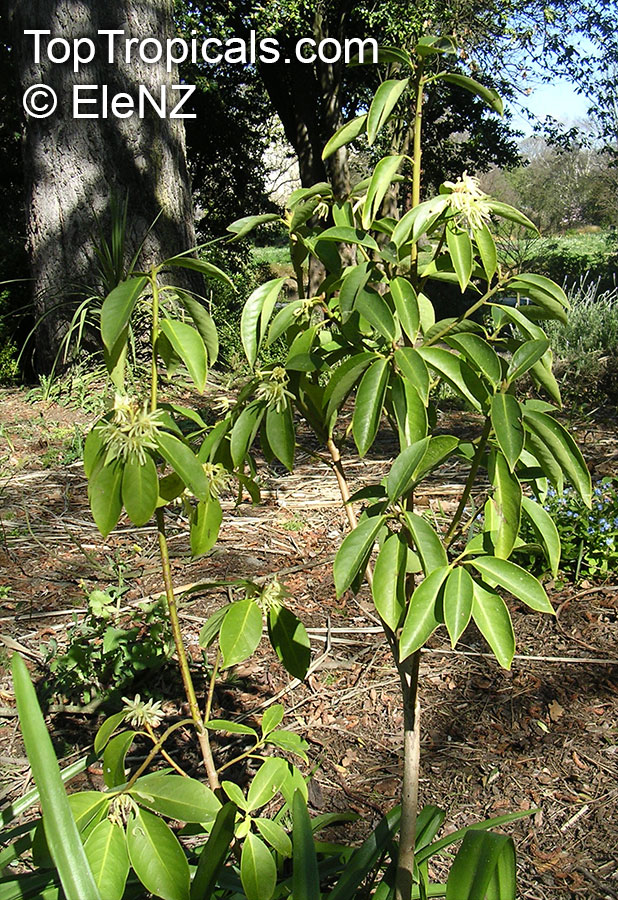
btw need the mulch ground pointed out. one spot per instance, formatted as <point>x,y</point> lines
<point>542,735</point>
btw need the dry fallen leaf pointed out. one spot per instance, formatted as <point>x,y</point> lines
<point>555,711</point>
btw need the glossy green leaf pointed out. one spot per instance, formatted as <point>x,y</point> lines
<point>380,182</point>
<point>545,530</point>
<point>409,409</point>
<point>525,357</point>
<point>563,448</point>
<point>258,871</point>
<point>210,630</point>
<point>256,316</point>
<point>493,620</point>
<point>389,580</point>
<point>60,829</point>
<point>487,250</point>
<point>272,718</point>
<point>203,322</point>
<point>343,380</point>
<point>240,632</point>
<point>439,449</point>
<point>107,729</point>
<point>184,462</point>
<point>545,459</point>
<point>114,758</point>
<point>231,727</point>
<point>244,431</point>
<point>505,504</point>
<point>280,434</point>
<point>401,475</point>
<point>107,854</point>
<point>488,95</point>
<point>460,249</point>
<point>242,227</point>
<point>429,546</point>
<point>479,354</point>
<point>457,601</point>
<point>369,403</point>
<point>275,835</point>
<point>266,782</point>
<point>373,307</point>
<point>117,308</point>
<point>176,797</point>
<point>418,221</point>
<point>343,234</point>
<point>353,282</point>
<point>457,373</point>
<point>105,496</point>
<point>422,617</point>
<point>352,556</point>
<point>283,320</point>
<point>140,489</point>
<point>305,874</point>
<point>214,853</point>
<point>364,859</point>
<point>94,447</point>
<point>156,856</point>
<point>189,346</point>
<point>513,215</point>
<point>483,868</point>
<point>506,420</point>
<point>551,307</point>
<point>205,525</point>
<point>345,135</point>
<point>517,581</point>
<point>235,794</point>
<point>208,270</point>
<point>290,641</point>
<point>414,369</point>
<point>406,306</point>
<point>382,105</point>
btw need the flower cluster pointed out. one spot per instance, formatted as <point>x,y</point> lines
<point>143,712</point>
<point>469,201</point>
<point>272,388</point>
<point>132,430</point>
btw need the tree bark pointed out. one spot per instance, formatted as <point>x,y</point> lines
<point>74,167</point>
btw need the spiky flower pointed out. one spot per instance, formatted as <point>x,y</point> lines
<point>132,430</point>
<point>469,201</point>
<point>219,479</point>
<point>143,712</point>
<point>272,390</point>
<point>272,596</point>
<point>120,809</point>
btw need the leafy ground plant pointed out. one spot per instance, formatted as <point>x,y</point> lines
<point>369,332</point>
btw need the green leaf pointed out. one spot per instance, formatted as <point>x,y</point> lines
<point>140,489</point>
<point>458,594</point>
<point>354,552</point>
<point>114,758</point>
<point>290,641</point>
<point>389,580</point>
<point>505,506</point>
<point>199,265</point>
<point>205,524</point>
<point>563,448</point>
<point>157,857</point>
<point>406,306</point>
<point>429,546</point>
<point>282,321</point>
<point>513,215</point>
<point>343,380</point>
<point>235,794</point>
<point>487,250</point>
<point>493,620</point>
<point>290,742</point>
<point>345,135</point>
<point>244,431</point>
<point>422,618</point>
<point>409,409</point>
<point>305,874</point>
<point>105,497</point>
<point>352,283</point>
<point>418,221</point>
<point>364,859</point>
<point>266,782</point>
<point>60,829</point>
<point>374,308</point>
<point>203,322</point>
<point>214,853</point>
<point>383,175</point>
<point>457,373</point>
<point>230,727</point>
<point>414,369</point>
<point>176,797</point>
<point>240,632</point>
<point>515,580</point>
<point>401,476</point>
<point>256,315</point>
<point>117,308</point>
<point>275,835</point>
<point>382,105</point>
<point>440,447</point>
<point>479,354</point>
<point>272,718</point>
<point>106,852</point>
<point>460,249</point>
<point>241,227</point>
<point>258,872</point>
<point>184,462</point>
<point>525,357</point>
<point>488,95</point>
<point>343,234</point>
<point>280,434</point>
<point>545,530</point>
<point>210,629</point>
<point>506,420</point>
<point>189,346</point>
<point>369,403</point>
<point>484,867</point>
<point>108,728</point>
<point>94,447</point>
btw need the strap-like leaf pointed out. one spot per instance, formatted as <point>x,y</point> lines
<point>353,554</point>
<point>256,315</point>
<point>564,449</point>
<point>383,175</point>
<point>345,135</point>
<point>484,867</point>
<point>458,593</point>
<point>382,105</point>
<point>513,578</point>
<point>305,875</point>
<point>493,620</point>
<point>117,308</point>
<point>369,403</point>
<point>488,95</point>
<point>506,419</point>
<point>422,617</point>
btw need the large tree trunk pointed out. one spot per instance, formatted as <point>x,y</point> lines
<point>74,167</point>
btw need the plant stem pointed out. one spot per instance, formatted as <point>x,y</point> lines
<point>408,674</point>
<point>202,733</point>
<point>157,747</point>
<point>164,752</point>
<point>211,686</point>
<point>448,538</point>
<point>344,490</point>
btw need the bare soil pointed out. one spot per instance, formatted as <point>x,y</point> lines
<point>542,735</point>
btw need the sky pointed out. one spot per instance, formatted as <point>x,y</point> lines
<point>558,100</point>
